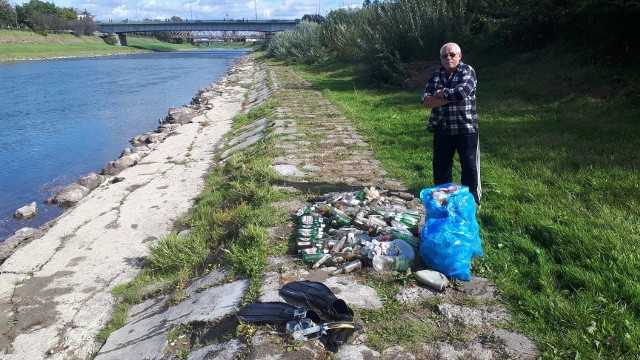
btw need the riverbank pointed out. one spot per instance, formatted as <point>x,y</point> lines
<point>548,203</point>
<point>55,290</point>
<point>23,45</point>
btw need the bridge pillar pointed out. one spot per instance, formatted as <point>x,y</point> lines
<point>122,39</point>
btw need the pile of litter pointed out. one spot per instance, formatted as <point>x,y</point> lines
<point>352,229</point>
<point>378,228</point>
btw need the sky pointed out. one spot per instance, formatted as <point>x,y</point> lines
<point>105,10</point>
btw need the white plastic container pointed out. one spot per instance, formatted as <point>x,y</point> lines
<point>432,279</point>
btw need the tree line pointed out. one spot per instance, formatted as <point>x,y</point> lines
<point>45,17</point>
<point>385,34</point>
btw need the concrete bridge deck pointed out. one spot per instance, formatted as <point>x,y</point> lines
<point>199,25</point>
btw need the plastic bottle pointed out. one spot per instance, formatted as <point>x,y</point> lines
<point>440,197</point>
<point>390,263</point>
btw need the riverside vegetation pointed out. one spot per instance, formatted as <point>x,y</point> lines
<point>561,208</point>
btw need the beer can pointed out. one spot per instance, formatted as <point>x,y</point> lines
<point>310,232</point>
<point>310,220</point>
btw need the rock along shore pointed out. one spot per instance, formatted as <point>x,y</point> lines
<point>55,286</point>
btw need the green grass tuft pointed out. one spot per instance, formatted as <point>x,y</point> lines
<point>175,253</point>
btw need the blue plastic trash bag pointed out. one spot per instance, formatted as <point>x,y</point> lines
<point>450,236</point>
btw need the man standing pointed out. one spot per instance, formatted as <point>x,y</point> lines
<point>451,95</point>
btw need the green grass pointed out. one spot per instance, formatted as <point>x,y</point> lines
<point>560,220</point>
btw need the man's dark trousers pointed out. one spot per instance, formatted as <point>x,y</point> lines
<point>444,148</point>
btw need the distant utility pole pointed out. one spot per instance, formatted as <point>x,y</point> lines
<point>15,7</point>
<point>255,5</point>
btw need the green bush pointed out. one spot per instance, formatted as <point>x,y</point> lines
<point>302,45</point>
<point>111,40</point>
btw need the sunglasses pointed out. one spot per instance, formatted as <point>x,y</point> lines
<point>452,54</point>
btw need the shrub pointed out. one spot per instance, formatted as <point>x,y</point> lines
<point>111,40</point>
<point>302,45</point>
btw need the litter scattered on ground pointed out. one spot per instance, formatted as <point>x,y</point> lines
<point>349,230</point>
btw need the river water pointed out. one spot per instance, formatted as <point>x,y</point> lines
<point>61,119</point>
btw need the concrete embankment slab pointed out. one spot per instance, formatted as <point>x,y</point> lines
<point>55,291</point>
<point>145,334</point>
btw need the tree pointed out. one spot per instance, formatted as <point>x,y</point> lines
<point>176,19</point>
<point>164,36</point>
<point>42,23</point>
<point>8,15</point>
<point>34,7</point>
<point>67,14</point>
<point>84,25</point>
<point>316,18</point>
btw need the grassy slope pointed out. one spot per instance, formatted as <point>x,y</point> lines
<point>561,191</point>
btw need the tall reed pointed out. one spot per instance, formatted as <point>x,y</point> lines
<point>384,36</point>
<point>301,45</point>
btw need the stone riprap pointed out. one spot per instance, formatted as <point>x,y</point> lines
<point>26,212</point>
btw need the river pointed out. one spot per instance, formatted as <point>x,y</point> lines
<point>61,119</point>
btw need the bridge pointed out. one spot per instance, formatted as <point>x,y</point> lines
<point>263,26</point>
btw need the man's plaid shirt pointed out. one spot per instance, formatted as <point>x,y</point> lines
<point>459,116</point>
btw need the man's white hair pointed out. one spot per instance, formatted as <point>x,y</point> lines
<point>455,46</point>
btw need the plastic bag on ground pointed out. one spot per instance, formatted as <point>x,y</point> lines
<point>393,255</point>
<point>450,236</point>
